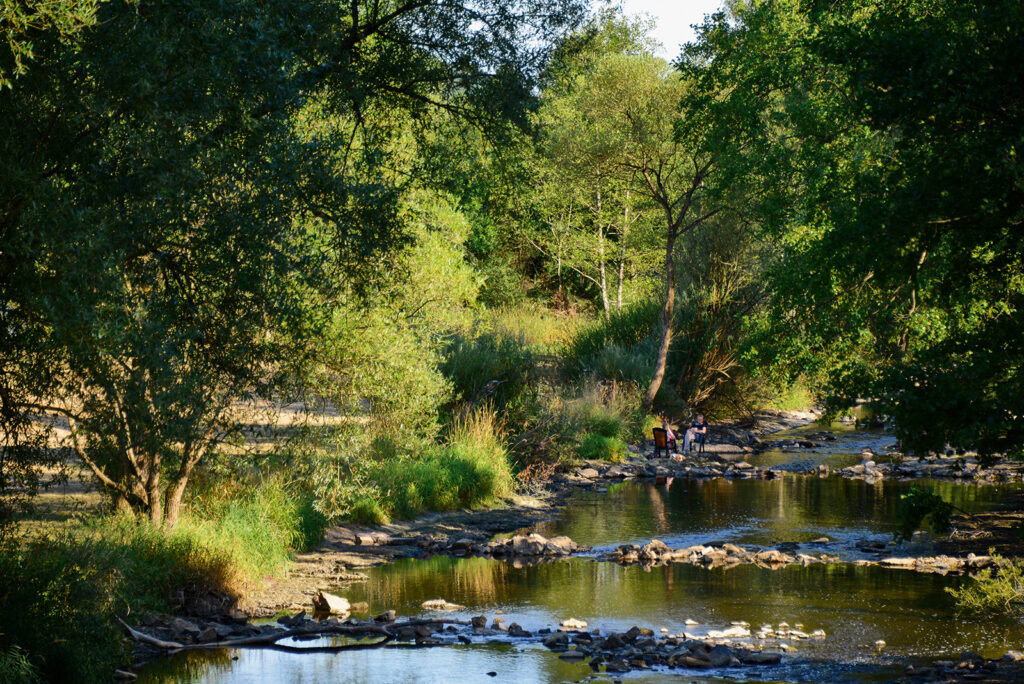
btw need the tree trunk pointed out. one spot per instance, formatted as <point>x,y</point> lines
<point>601,259</point>
<point>623,232</point>
<point>176,490</point>
<point>172,507</point>
<point>154,500</point>
<point>666,323</point>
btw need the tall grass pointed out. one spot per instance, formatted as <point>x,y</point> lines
<point>594,419</point>
<point>489,366</point>
<point>541,329</point>
<point>60,594</point>
<point>15,667</point>
<point>471,468</point>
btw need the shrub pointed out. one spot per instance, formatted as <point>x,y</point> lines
<point>58,608</point>
<point>595,446</point>
<point>492,366</point>
<point>994,590</point>
<point>470,468</point>
<point>60,594</point>
<point>625,329</point>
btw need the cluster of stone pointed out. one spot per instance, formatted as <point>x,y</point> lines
<point>727,555</point>
<point>657,552</point>
<point>521,546</point>
<point>639,648</point>
<point>972,667</point>
<point>964,468</point>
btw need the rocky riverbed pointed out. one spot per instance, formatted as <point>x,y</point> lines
<point>736,647</point>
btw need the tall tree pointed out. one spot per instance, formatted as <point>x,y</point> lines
<point>889,135</point>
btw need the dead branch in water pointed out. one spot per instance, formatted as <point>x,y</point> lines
<point>389,632</point>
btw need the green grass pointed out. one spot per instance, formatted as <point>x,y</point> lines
<point>595,446</point>
<point>60,593</point>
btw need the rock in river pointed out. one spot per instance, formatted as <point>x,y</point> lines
<point>329,603</point>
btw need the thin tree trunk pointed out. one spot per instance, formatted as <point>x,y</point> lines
<point>623,232</point>
<point>601,260</point>
<point>153,498</point>
<point>172,508</point>
<point>666,323</point>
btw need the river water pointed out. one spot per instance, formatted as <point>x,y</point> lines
<point>855,605</point>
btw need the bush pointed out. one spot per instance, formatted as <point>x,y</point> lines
<point>596,446</point>
<point>994,590</point>
<point>470,468</point>
<point>58,608</point>
<point>60,594</point>
<point>255,527</point>
<point>627,329</point>
<point>492,366</point>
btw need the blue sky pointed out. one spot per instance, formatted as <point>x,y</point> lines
<point>672,19</point>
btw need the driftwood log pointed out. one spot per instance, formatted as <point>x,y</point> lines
<point>388,632</point>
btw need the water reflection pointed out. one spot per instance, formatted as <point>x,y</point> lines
<point>854,605</point>
<point>792,508</point>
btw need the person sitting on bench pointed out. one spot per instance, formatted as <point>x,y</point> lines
<point>697,432</point>
<point>670,436</point>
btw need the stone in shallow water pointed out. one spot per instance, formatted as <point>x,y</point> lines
<point>572,625</point>
<point>736,631</point>
<point>329,603</point>
<point>761,658</point>
<point>440,604</point>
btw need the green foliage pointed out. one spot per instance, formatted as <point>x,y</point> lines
<point>993,590</point>
<point>888,153</point>
<point>60,594</point>
<point>20,21</point>
<point>58,610</point>
<point>400,478</point>
<point>598,446</point>
<point>382,353</point>
<point>222,174</point>
<point>16,668</point>
<point>627,329</point>
<point>490,366</point>
<point>920,504</point>
<point>592,420</point>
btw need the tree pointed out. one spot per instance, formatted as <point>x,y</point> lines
<point>184,189</point>
<point>23,21</point>
<point>887,137</point>
<point>667,158</point>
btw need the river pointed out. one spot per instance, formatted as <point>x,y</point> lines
<point>855,605</point>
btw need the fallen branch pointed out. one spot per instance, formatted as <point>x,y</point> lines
<point>147,639</point>
<point>269,640</point>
